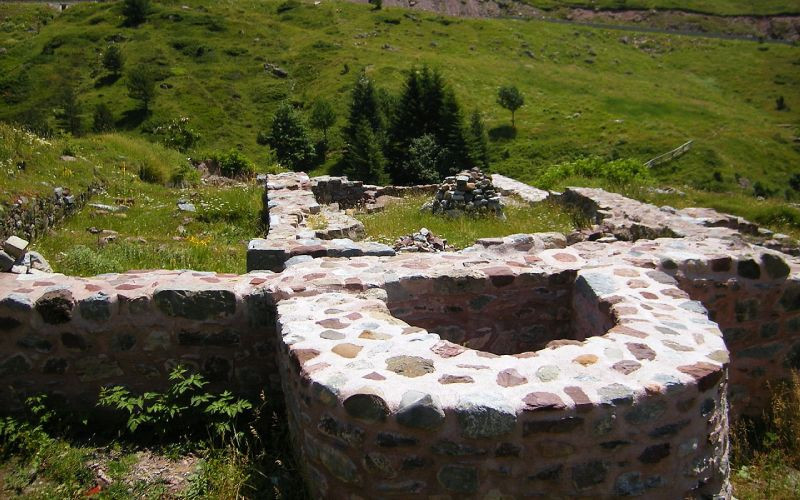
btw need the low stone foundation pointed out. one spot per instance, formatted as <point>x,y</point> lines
<point>521,366</point>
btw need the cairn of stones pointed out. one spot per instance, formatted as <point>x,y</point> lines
<point>421,241</point>
<point>469,192</point>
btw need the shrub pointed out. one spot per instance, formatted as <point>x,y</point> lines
<point>233,164</point>
<point>510,98</point>
<point>622,171</point>
<point>185,176</point>
<point>176,134</point>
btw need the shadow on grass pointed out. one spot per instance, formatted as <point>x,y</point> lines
<point>132,118</point>
<point>502,133</point>
<point>106,80</point>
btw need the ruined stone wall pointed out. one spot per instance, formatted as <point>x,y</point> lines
<point>30,218</point>
<point>69,336</point>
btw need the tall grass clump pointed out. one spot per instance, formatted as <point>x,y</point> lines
<point>765,452</point>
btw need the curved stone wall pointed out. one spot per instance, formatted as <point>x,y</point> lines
<point>382,407</point>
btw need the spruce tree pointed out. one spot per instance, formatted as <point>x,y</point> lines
<point>364,158</point>
<point>112,60</point>
<point>365,124</point>
<point>70,115</point>
<point>289,138</point>
<point>477,141</point>
<point>103,119</point>
<point>408,122</point>
<point>451,137</point>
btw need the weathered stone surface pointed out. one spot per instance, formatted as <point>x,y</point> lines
<point>485,416</point>
<point>654,454</point>
<point>367,407</point>
<point>14,365</point>
<point>775,266</point>
<point>420,410</point>
<point>197,304</point>
<point>96,308</point>
<point>15,246</point>
<point>510,377</point>
<point>543,401</point>
<point>588,474</point>
<point>338,463</point>
<point>97,368</point>
<point>410,366</point>
<point>55,307</point>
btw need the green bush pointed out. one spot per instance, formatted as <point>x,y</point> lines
<point>152,172</point>
<point>233,164</point>
<point>185,176</point>
<point>622,171</point>
<point>176,134</point>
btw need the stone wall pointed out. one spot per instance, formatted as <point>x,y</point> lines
<point>29,218</point>
<point>520,366</point>
<point>72,335</point>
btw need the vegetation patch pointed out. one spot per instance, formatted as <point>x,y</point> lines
<point>405,217</point>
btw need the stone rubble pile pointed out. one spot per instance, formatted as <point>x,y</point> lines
<point>471,191</point>
<point>421,241</point>
<point>14,258</point>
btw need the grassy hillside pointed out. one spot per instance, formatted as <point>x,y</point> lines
<point>587,91</point>
<point>719,7</point>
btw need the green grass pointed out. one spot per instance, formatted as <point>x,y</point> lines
<point>586,92</point>
<point>719,7</point>
<point>215,237</point>
<point>404,217</point>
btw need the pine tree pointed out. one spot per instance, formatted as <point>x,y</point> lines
<point>70,115</point>
<point>433,95</point>
<point>112,60</point>
<point>142,86</point>
<point>289,138</point>
<point>364,105</point>
<point>477,141</point>
<point>364,158</point>
<point>451,137</point>
<point>135,11</point>
<point>103,119</point>
<point>408,122</point>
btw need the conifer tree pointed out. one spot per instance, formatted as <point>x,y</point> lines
<point>477,141</point>
<point>451,137</point>
<point>103,119</point>
<point>70,115</point>
<point>363,105</point>
<point>289,138</point>
<point>364,158</point>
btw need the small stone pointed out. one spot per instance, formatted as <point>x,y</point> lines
<point>484,415</point>
<point>646,412</point>
<point>588,474</point>
<point>775,266</point>
<point>641,351</point>
<point>337,463</point>
<point>332,335</point>
<point>626,367</point>
<point>14,365</point>
<point>410,366</point>
<point>420,411</point>
<point>197,304</point>
<point>549,448</point>
<point>456,379</point>
<point>586,359</point>
<point>558,426</point>
<point>347,350</point>
<point>510,378</point>
<point>654,454</point>
<point>447,349</point>
<point>6,262</point>
<point>96,307</point>
<point>629,484</point>
<point>15,246</point>
<point>55,307</point>
<point>366,406</point>
<point>548,373</point>
<point>458,478</point>
<point>453,449</point>
<point>616,394</point>
<point>748,269</point>
<point>543,401</point>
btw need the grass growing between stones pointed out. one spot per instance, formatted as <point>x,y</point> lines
<point>405,217</point>
<point>765,453</point>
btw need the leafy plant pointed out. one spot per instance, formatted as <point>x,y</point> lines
<point>176,134</point>
<point>142,86</point>
<point>103,119</point>
<point>622,171</point>
<point>510,98</point>
<point>289,138</point>
<point>182,408</point>
<point>112,60</point>
<point>232,164</point>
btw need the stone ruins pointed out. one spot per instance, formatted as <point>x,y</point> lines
<point>469,192</point>
<point>599,364</point>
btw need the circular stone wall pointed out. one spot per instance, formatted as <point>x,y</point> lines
<point>632,402</point>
